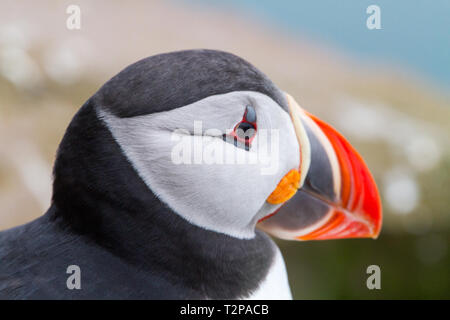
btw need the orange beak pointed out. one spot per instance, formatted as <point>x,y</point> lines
<point>337,196</point>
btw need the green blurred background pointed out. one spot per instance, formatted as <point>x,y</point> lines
<point>387,90</point>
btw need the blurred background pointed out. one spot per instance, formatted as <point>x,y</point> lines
<point>387,90</point>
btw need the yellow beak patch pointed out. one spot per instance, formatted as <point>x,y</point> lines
<point>286,188</point>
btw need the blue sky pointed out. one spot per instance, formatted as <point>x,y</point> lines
<point>415,34</point>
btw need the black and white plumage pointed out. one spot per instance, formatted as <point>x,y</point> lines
<point>140,226</point>
<point>104,218</point>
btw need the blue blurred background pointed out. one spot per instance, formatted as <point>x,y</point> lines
<point>414,34</point>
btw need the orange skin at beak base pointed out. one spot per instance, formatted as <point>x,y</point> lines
<point>286,188</point>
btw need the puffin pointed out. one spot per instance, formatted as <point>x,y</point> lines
<point>172,179</point>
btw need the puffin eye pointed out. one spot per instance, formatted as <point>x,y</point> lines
<point>244,131</point>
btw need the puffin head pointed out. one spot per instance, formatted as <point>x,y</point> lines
<point>214,140</point>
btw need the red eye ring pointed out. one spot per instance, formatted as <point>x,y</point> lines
<point>245,130</point>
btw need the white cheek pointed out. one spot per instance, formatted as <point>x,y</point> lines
<point>227,197</point>
<point>217,196</point>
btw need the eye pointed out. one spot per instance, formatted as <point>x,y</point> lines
<point>244,132</point>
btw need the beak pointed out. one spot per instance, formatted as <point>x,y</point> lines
<point>337,196</point>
